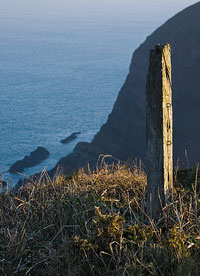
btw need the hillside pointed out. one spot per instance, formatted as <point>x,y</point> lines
<point>96,224</point>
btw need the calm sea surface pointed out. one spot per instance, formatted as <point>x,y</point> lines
<point>57,77</point>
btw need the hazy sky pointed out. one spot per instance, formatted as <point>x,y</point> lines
<point>100,8</point>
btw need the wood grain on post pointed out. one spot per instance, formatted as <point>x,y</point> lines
<point>159,130</point>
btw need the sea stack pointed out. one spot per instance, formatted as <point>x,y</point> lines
<point>35,157</point>
<point>70,138</point>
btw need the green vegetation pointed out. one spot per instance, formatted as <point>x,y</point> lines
<point>95,223</point>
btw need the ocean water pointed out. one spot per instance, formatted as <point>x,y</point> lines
<point>57,77</point>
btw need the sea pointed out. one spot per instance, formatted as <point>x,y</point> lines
<point>59,76</point>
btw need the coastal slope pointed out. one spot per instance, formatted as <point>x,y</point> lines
<point>123,135</point>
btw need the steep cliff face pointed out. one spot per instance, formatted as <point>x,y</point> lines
<point>123,135</point>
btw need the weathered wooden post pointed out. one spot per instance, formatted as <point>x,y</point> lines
<point>159,130</point>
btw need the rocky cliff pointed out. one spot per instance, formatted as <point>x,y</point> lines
<point>123,135</point>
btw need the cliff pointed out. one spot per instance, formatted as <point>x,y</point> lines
<point>123,135</point>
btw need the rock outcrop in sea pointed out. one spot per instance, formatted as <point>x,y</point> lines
<point>36,157</point>
<point>123,135</point>
<point>70,138</point>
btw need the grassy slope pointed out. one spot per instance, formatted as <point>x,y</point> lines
<point>96,224</point>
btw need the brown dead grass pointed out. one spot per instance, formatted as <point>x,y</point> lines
<point>95,223</point>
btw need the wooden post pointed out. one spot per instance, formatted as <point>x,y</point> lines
<point>159,130</point>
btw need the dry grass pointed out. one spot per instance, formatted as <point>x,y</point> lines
<point>95,223</point>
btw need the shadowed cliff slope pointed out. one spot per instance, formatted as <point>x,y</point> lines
<point>123,135</point>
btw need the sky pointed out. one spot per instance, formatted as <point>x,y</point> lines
<point>92,8</point>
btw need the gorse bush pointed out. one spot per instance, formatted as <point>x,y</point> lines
<point>95,223</point>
